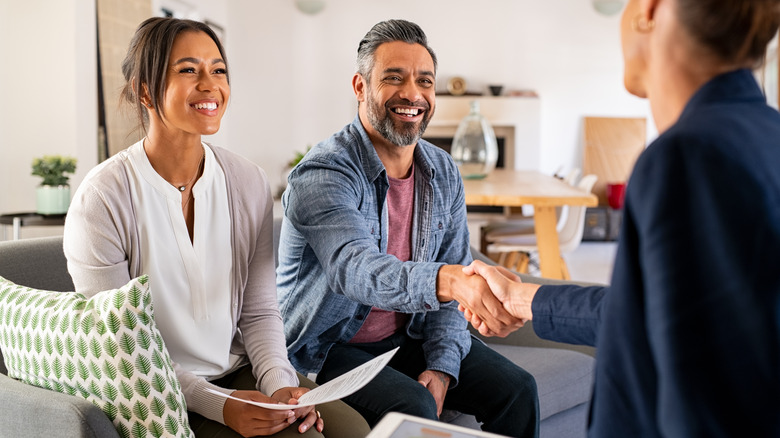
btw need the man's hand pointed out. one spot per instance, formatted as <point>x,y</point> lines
<point>473,293</point>
<point>437,384</point>
<point>290,396</point>
<point>507,287</point>
<point>250,420</point>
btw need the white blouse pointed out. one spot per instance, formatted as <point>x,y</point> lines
<point>190,281</point>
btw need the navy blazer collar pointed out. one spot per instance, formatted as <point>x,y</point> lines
<point>735,86</point>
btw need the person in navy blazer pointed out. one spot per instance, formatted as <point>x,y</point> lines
<point>688,332</point>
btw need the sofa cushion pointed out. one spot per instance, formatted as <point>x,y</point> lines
<point>106,349</point>
<point>564,378</point>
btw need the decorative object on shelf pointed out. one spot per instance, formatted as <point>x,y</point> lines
<point>310,7</point>
<point>608,7</point>
<point>474,147</point>
<point>456,86</point>
<point>495,90</point>
<point>53,195</point>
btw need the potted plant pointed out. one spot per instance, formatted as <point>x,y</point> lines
<point>289,167</point>
<point>53,195</point>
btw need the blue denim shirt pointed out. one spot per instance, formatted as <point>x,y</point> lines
<point>333,261</point>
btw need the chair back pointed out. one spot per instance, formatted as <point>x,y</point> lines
<point>563,212</point>
<point>570,235</point>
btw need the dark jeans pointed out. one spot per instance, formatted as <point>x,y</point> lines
<point>501,395</point>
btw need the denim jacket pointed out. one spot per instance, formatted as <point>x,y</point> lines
<point>333,261</point>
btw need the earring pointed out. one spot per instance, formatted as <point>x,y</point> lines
<point>642,24</point>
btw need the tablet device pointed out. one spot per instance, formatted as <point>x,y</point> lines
<point>397,425</point>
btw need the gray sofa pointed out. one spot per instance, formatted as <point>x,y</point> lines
<point>563,373</point>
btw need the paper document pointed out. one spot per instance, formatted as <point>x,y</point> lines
<point>338,388</point>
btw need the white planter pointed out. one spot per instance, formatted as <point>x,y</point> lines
<point>52,199</point>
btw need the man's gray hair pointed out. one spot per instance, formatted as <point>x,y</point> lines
<point>386,32</point>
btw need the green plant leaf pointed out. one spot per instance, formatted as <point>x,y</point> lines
<point>171,401</point>
<point>142,387</point>
<point>38,343</point>
<point>87,322</point>
<point>110,409</point>
<point>125,411</point>
<point>143,364</point>
<point>56,367</point>
<point>138,430</point>
<point>143,338</point>
<point>127,343</point>
<point>110,391</point>
<point>94,367</point>
<point>157,406</point>
<point>126,368</point>
<point>113,323</point>
<point>100,327</point>
<point>81,347</point>
<point>124,432</point>
<point>134,297</point>
<point>141,411</point>
<point>83,370</point>
<point>129,319</point>
<point>94,346</point>
<point>54,169</point>
<point>171,425</point>
<point>94,388</point>
<point>157,359</point>
<point>159,383</point>
<point>126,390</point>
<point>70,369</point>
<point>156,429</point>
<point>59,346</point>
<point>119,299</point>
<point>110,370</point>
<point>111,347</point>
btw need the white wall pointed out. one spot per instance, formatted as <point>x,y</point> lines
<point>291,73</point>
<point>49,92</point>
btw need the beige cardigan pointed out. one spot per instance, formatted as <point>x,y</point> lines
<point>103,250</point>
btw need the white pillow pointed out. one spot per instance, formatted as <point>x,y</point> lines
<point>106,349</point>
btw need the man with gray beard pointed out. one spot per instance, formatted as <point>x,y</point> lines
<point>372,247</point>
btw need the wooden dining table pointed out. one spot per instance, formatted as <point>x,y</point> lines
<point>516,188</point>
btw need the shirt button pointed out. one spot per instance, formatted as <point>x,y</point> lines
<point>427,306</point>
<point>360,317</point>
<point>321,356</point>
<point>440,226</point>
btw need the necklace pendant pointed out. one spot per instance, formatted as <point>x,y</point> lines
<point>182,188</point>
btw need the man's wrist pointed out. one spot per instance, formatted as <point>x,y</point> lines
<point>444,280</point>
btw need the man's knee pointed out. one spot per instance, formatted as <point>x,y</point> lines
<point>416,400</point>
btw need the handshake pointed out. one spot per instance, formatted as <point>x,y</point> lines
<point>492,298</point>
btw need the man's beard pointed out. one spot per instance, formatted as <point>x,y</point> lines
<point>404,135</point>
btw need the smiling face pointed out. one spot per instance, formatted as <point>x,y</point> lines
<point>399,99</point>
<point>196,87</point>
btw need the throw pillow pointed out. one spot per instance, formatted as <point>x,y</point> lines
<point>106,349</point>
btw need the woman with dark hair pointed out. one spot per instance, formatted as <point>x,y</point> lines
<point>180,210</point>
<point>688,332</point>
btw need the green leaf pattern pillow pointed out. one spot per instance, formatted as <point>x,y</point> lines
<point>105,349</point>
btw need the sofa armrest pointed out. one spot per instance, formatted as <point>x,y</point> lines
<point>32,411</point>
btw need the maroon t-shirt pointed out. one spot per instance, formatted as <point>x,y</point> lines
<point>380,323</point>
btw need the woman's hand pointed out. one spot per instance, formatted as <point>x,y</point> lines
<point>250,420</point>
<point>508,288</point>
<point>310,415</point>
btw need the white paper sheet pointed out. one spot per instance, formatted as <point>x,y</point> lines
<point>338,388</point>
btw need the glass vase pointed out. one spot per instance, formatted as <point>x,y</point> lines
<point>474,147</point>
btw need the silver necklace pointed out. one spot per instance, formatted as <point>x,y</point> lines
<point>197,171</point>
